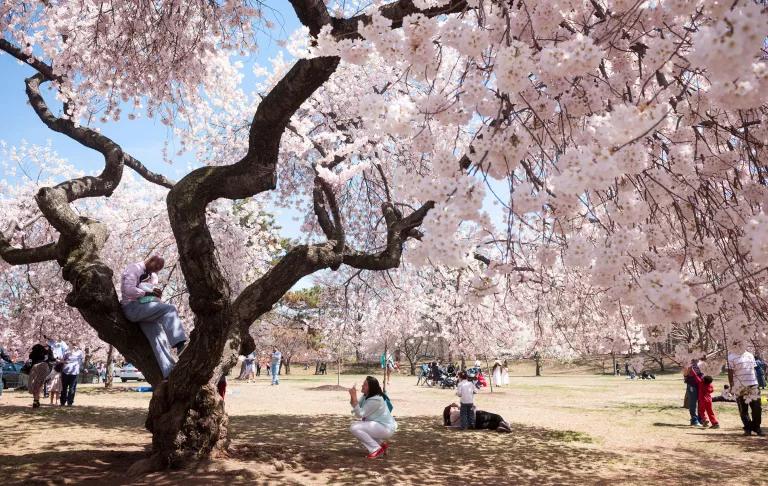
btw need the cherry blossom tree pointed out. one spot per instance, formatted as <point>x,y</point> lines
<point>622,141</point>
<point>80,51</point>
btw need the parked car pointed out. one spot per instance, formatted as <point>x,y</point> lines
<point>130,372</point>
<point>12,377</point>
<point>89,375</point>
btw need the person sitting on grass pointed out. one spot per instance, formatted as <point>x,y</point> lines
<point>483,420</point>
<point>725,395</point>
<point>376,422</point>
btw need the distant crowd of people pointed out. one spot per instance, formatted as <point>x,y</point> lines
<point>631,373</point>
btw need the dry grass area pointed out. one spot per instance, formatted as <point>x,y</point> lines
<point>568,429</point>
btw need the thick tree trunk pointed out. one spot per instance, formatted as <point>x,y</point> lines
<point>287,366</point>
<point>183,431</point>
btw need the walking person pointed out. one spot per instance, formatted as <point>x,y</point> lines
<point>496,373</point>
<point>250,367</point>
<point>159,321</point>
<point>466,392</point>
<point>38,358</point>
<point>3,357</point>
<point>258,367</point>
<point>741,376</point>
<point>51,361</point>
<point>71,364</point>
<point>388,364</point>
<point>277,356</point>
<point>376,422</point>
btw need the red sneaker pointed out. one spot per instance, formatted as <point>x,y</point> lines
<point>378,452</point>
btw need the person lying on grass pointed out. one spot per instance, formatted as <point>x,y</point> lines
<point>483,420</point>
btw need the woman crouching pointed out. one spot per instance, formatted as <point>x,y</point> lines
<point>376,421</point>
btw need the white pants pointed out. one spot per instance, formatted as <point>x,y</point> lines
<point>371,434</point>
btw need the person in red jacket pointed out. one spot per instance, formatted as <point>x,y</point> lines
<point>221,386</point>
<point>705,401</point>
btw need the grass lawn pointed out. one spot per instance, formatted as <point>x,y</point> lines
<point>567,429</point>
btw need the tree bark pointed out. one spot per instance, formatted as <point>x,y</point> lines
<point>183,431</point>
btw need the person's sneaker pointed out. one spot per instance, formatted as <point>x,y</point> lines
<point>759,432</point>
<point>705,423</point>
<point>378,452</point>
<point>747,432</point>
<point>715,426</point>
<point>696,424</point>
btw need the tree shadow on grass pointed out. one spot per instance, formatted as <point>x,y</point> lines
<point>737,439</point>
<point>674,426</point>
<point>422,452</point>
<point>81,416</point>
<point>291,449</point>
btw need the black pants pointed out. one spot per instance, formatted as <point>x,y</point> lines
<point>487,420</point>
<point>750,425</point>
<point>258,370</point>
<point>68,388</point>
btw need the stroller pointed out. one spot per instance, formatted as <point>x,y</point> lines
<point>448,378</point>
<point>476,374</point>
<point>440,377</point>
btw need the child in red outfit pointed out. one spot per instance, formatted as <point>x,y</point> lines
<point>705,401</point>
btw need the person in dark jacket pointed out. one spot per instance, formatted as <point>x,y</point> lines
<point>483,420</point>
<point>3,357</point>
<point>39,357</point>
